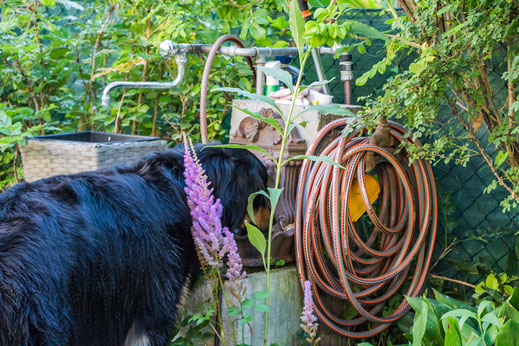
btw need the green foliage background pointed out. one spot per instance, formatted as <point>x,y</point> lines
<point>57,55</point>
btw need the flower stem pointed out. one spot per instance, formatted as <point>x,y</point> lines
<point>218,307</point>
<point>226,305</point>
<point>279,165</point>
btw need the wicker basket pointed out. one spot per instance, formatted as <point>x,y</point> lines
<point>45,156</point>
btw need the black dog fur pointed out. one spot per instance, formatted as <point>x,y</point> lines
<point>84,258</point>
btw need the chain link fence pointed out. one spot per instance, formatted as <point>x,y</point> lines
<point>481,236</point>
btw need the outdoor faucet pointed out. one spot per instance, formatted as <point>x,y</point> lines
<point>166,49</point>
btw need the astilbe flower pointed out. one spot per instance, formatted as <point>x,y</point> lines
<point>212,241</point>
<point>308,317</point>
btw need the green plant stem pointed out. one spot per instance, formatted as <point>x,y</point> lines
<point>226,305</point>
<point>218,308</point>
<point>279,165</point>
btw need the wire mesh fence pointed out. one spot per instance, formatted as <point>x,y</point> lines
<point>482,236</point>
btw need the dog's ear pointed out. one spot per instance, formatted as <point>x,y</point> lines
<point>234,175</point>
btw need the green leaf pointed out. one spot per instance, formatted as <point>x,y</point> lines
<point>271,121</point>
<point>332,109</point>
<point>274,197</point>
<point>452,334</point>
<point>262,295</point>
<point>362,29</point>
<point>297,27</point>
<point>257,32</point>
<point>280,75</point>
<point>323,82</point>
<point>256,238</point>
<point>322,158</point>
<point>490,318</point>
<point>247,303</point>
<point>245,320</point>
<point>482,306</point>
<point>501,157</point>
<point>417,67</point>
<point>491,282</point>
<point>71,5</point>
<point>261,307</point>
<point>462,313</point>
<point>252,96</point>
<point>445,9</point>
<point>514,299</point>
<point>362,79</point>
<point>420,322</point>
<point>451,302</point>
<point>509,334</point>
<point>48,3</point>
<point>280,263</point>
<point>250,203</point>
<point>233,311</point>
<point>241,146</point>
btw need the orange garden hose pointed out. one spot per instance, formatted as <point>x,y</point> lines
<point>363,270</point>
<point>205,79</point>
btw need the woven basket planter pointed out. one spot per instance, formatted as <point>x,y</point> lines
<point>45,156</point>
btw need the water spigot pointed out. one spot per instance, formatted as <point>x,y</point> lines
<point>166,49</point>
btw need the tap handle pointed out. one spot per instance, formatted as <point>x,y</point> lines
<point>169,49</point>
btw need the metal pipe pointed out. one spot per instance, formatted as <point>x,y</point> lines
<point>181,60</point>
<point>346,64</point>
<point>316,56</point>
<point>168,49</point>
<point>260,75</point>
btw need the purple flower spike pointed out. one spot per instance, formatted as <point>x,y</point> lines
<point>308,317</point>
<point>213,241</point>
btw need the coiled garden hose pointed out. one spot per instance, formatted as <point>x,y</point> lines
<point>205,79</point>
<point>363,270</point>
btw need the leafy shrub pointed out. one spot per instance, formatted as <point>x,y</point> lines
<point>453,86</point>
<point>447,321</point>
<point>57,55</point>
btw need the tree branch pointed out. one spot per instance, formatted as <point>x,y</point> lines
<point>482,151</point>
<point>452,280</point>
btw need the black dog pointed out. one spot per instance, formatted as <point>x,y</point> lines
<point>101,258</point>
